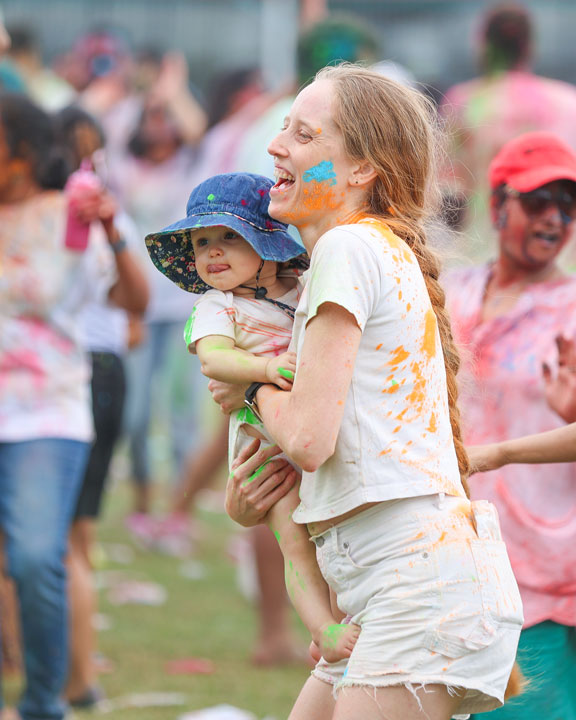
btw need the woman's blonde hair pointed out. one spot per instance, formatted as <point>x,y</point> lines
<point>394,128</point>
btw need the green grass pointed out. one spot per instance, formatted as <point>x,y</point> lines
<point>206,618</point>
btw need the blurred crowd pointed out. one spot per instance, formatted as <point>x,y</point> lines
<point>91,348</point>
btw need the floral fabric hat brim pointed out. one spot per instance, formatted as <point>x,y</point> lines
<point>172,252</point>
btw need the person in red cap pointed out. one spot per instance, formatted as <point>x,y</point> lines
<point>508,314</point>
<point>484,113</point>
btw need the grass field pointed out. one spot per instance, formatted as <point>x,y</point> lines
<point>207,618</point>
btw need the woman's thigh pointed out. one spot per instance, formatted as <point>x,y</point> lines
<point>396,703</point>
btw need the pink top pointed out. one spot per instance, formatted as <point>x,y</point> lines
<point>502,396</point>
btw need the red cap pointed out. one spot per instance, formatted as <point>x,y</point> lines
<point>532,160</point>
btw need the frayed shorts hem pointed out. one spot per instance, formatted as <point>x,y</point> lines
<point>479,697</point>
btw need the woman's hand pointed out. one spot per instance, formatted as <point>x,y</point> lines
<point>485,457</point>
<point>257,481</point>
<point>229,396</point>
<point>560,388</point>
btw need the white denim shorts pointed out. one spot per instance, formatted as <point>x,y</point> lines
<point>429,581</point>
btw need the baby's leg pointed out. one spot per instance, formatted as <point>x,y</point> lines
<point>306,587</point>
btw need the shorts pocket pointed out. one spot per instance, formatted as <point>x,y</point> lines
<point>498,587</point>
<point>468,619</point>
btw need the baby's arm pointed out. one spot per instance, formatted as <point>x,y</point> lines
<point>221,360</point>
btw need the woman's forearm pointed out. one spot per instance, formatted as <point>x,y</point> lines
<point>554,446</point>
<point>306,421</point>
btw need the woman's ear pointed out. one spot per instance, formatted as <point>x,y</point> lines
<point>362,174</point>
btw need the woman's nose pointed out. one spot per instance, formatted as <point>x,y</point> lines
<point>275,148</point>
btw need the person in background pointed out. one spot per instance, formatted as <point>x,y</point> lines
<point>484,113</point>
<point>507,314</point>
<point>45,418</point>
<point>151,177</point>
<point>43,85</point>
<point>557,445</point>
<point>105,334</point>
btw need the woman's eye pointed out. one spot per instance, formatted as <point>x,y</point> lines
<point>304,136</point>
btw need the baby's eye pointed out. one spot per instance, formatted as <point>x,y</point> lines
<point>201,242</point>
<point>231,235</point>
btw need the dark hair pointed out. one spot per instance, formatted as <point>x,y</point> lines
<point>30,135</point>
<point>23,39</point>
<point>336,39</point>
<point>66,122</point>
<point>224,87</point>
<point>507,37</point>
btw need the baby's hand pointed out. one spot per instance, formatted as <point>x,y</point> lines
<point>280,370</point>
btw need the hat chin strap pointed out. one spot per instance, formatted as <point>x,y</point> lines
<point>259,292</point>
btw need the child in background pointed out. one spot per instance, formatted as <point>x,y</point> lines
<point>232,251</point>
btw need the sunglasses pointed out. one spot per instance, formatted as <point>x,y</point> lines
<point>536,201</point>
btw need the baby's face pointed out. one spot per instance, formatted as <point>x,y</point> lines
<point>224,260</point>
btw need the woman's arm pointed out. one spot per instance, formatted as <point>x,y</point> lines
<point>222,360</point>
<point>305,422</point>
<point>553,446</point>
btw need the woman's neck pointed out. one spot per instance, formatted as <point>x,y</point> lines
<point>506,274</point>
<point>310,234</point>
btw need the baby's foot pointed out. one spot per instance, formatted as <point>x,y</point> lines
<point>337,641</point>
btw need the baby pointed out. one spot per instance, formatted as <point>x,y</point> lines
<point>246,266</point>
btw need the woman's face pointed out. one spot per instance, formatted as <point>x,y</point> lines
<point>533,240</point>
<point>313,171</point>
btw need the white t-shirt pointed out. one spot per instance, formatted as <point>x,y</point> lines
<point>256,326</point>
<point>104,327</point>
<point>395,440</point>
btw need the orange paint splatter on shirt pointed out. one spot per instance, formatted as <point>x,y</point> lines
<point>399,354</point>
<point>378,346</point>
<point>432,426</point>
<point>429,340</point>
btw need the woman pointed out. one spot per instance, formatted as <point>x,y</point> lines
<point>372,418</point>
<point>45,417</point>
<point>508,314</point>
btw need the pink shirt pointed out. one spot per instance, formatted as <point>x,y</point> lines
<point>502,396</point>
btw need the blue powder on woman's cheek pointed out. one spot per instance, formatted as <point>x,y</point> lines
<point>323,172</point>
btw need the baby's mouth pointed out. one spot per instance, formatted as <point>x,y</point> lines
<point>213,269</point>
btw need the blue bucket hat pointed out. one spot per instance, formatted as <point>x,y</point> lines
<point>238,201</point>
